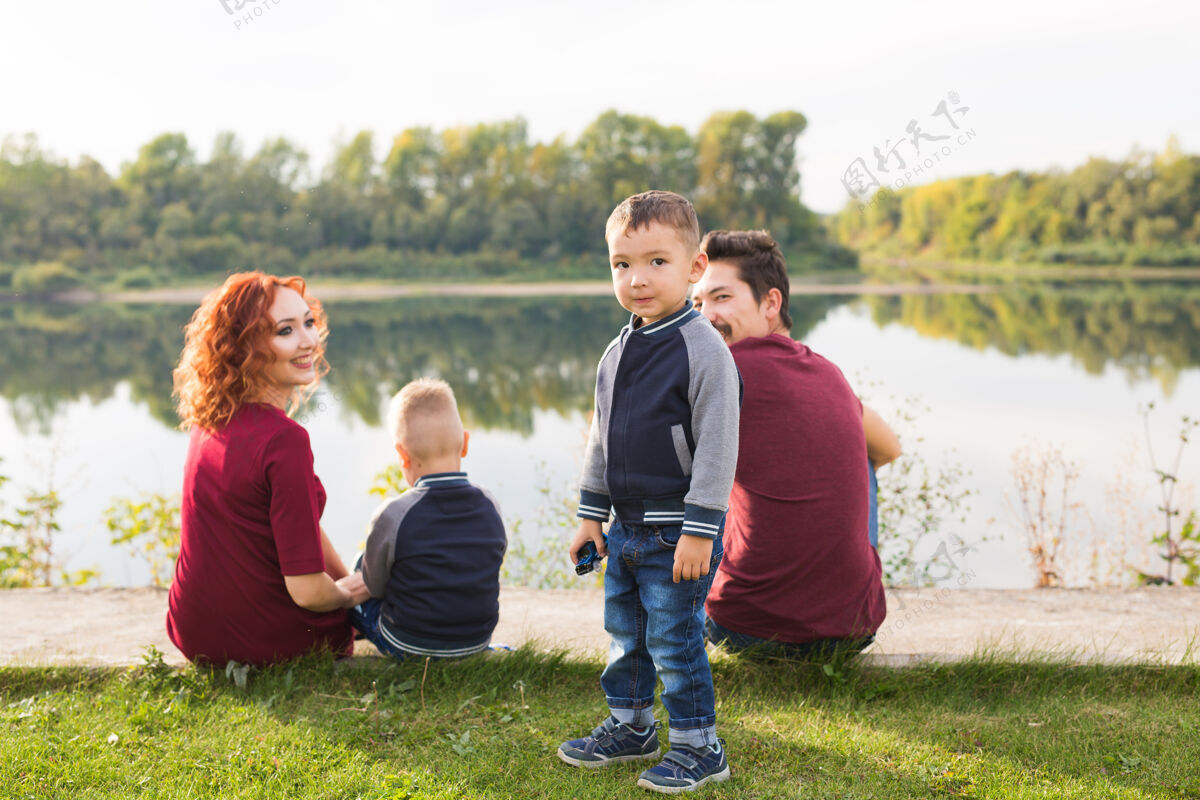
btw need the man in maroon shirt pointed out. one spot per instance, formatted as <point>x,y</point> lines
<point>799,575</point>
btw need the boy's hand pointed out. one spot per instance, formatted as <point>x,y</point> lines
<point>353,584</point>
<point>692,557</point>
<point>588,529</point>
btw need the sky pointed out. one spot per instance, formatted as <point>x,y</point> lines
<point>1039,84</point>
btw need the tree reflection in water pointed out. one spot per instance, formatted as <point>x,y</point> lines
<point>509,357</point>
<point>1147,331</point>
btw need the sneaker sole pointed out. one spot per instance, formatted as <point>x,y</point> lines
<point>716,777</point>
<point>576,762</point>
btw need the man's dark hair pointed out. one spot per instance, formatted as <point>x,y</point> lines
<point>666,208</point>
<point>759,261</point>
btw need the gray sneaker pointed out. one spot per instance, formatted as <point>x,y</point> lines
<point>611,743</point>
<point>685,768</point>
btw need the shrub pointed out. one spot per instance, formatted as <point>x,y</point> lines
<point>46,277</point>
<point>142,277</point>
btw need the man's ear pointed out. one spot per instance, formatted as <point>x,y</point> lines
<point>699,264</point>
<point>772,302</point>
<point>405,458</point>
<point>466,441</point>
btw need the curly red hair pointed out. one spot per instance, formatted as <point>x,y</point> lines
<point>226,349</point>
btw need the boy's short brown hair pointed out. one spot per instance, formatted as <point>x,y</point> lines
<point>423,418</point>
<point>759,261</point>
<point>666,208</point>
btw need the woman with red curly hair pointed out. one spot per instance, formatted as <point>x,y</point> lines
<point>257,580</point>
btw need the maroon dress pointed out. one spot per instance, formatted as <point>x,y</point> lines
<point>250,515</point>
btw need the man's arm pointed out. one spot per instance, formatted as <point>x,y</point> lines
<point>883,447</point>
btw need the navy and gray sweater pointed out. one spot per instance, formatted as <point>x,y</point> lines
<point>664,439</point>
<point>433,555</point>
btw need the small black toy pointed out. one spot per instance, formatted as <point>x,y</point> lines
<point>588,556</point>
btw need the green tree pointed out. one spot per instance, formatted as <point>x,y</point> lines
<point>748,176</point>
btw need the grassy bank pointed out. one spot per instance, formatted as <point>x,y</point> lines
<point>488,727</point>
<point>371,265</point>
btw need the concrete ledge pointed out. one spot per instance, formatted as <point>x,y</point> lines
<point>109,627</point>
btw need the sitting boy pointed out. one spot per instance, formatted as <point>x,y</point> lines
<point>661,453</point>
<point>432,561</point>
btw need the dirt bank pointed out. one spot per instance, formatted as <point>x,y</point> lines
<point>367,290</point>
<point>112,626</point>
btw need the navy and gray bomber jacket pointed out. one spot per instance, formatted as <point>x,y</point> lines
<point>433,556</point>
<point>663,445</point>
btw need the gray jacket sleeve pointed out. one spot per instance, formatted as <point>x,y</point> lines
<point>714,391</point>
<point>593,460</point>
<point>594,500</point>
<point>380,552</point>
<point>496,505</point>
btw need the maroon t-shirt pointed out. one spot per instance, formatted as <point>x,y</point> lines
<point>250,515</point>
<point>798,565</point>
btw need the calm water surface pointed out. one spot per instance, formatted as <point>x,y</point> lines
<point>85,402</point>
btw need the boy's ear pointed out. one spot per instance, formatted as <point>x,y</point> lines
<point>699,265</point>
<point>466,441</point>
<point>405,458</point>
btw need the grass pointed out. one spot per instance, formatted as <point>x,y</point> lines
<point>487,728</point>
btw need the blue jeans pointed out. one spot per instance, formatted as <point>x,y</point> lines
<point>657,629</point>
<point>873,512</point>
<point>755,646</point>
<point>366,619</point>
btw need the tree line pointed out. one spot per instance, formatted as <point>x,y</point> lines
<point>479,200</point>
<point>1144,209</point>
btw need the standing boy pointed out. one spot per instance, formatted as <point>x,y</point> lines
<point>432,562</point>
<point>661,454</point>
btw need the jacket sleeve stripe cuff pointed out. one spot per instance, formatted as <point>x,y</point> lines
<point>699,521</point>
<point>593,505</point>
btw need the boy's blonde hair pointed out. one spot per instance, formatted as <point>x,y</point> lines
<point>423,418</point>
<point>666,208</point>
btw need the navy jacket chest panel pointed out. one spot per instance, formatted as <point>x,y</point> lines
<point>649,397</point>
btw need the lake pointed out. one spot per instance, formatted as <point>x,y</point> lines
<point>970,378</point>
